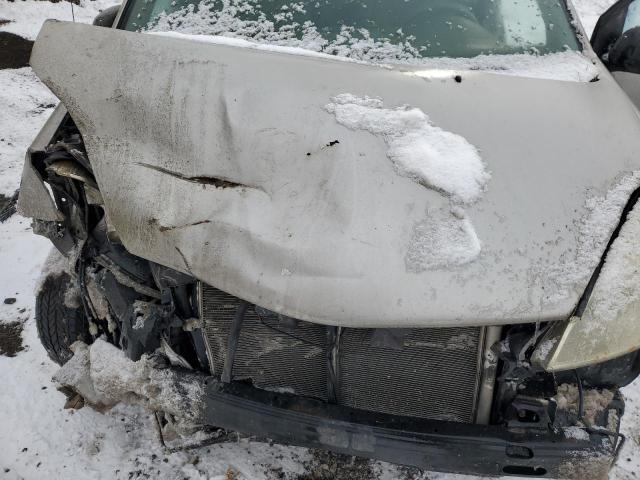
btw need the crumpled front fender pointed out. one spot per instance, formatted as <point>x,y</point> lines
<point>35,200</point>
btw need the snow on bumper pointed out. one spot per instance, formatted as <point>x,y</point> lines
<point>104,377</point>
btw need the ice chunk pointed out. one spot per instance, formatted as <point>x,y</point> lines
<point>576,433</point>
<point>104,377</point>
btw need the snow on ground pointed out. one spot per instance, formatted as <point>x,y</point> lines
<point>39,439</point>
<point>590,10</point>
<point>26,103</point>
<point>26,16</point>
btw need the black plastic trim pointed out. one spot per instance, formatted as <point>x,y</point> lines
<point>429,444</point>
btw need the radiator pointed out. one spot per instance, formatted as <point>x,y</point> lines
<point>426,373</point>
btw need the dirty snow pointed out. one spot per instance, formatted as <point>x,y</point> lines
<point>54,265</point>
<point>594,401</point>
<point>104,376</point>
<point>39,439</point>
<point>577,433</point>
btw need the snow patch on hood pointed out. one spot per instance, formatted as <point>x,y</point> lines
<point>619,280</point>
<point>568,66</point>
<point>441,240</point>
<point>594,232</point>
<point>433,157</point>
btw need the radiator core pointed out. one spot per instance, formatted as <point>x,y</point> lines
<point>426,373</point>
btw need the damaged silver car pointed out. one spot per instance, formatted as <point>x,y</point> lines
<point>398,230</point>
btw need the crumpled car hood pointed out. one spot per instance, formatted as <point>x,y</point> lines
<point>261,174</point>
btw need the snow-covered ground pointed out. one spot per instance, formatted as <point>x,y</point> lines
<point>40,439</point>
<point>590,10</point>
<point>26,16</point>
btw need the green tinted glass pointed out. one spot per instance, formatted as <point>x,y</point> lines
<point>377,30</point>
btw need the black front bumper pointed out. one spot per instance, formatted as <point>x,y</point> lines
<point>429,444</point>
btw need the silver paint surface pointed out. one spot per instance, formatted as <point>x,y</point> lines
<point>322,233</point>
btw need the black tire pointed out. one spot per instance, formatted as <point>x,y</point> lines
<point>59,325</point>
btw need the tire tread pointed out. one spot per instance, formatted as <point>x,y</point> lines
<point>59,325</point>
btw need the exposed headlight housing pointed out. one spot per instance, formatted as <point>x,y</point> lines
<point>609,326</point>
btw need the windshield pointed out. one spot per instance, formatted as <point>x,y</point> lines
<point>372,30</point>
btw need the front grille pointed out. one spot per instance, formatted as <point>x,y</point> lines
<point>426,373</point>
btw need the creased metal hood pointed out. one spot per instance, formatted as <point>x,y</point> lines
<point>223,162</point>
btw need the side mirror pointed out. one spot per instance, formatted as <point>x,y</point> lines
<point>107,17</point>
<point>624,55</point>
<point>616,38</point>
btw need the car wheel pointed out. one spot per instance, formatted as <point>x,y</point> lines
<point>60,317</point>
